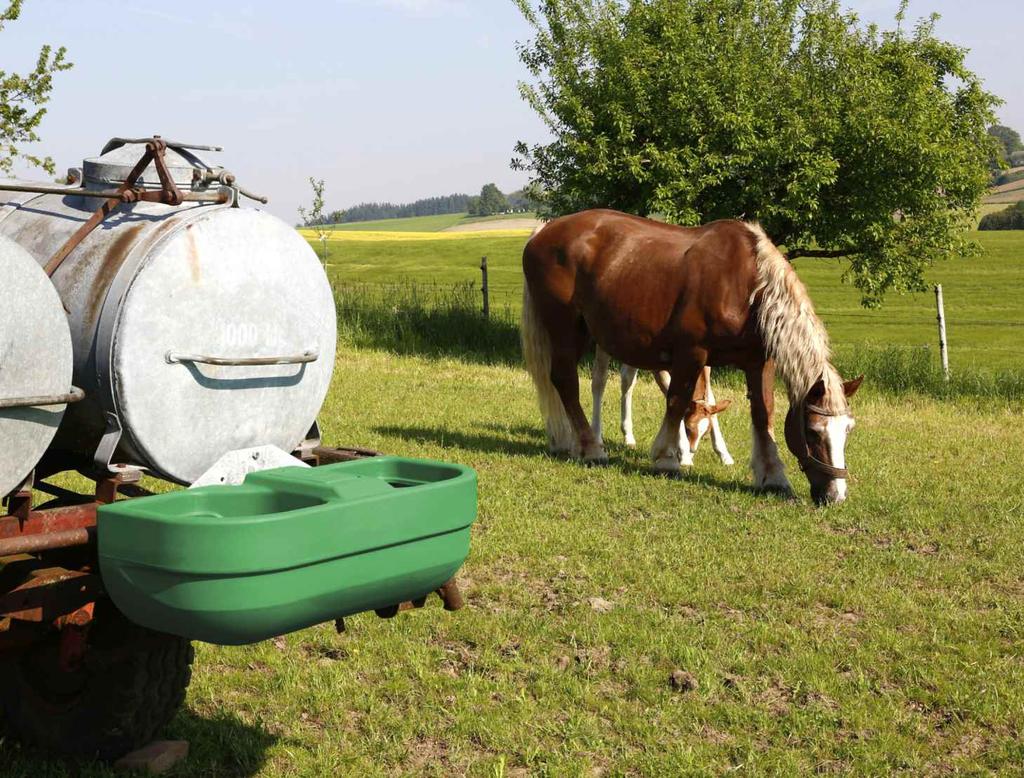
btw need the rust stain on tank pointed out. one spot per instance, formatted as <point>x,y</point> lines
<point>193,255</point>
<point>113,258</point>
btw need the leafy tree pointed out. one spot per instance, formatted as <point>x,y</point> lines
<point>843,140</point>
<point>1017,158</point>
<point>21,98</point>
<point>491,201</point>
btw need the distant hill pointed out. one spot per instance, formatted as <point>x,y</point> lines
<point>457,222</point>
<point>445,205</point>
<point>1010,192</point>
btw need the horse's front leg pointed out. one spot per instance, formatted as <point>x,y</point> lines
<point>598,382</point>
<point>769,472</point>
<point>671,448</point>
<point>627,375</point>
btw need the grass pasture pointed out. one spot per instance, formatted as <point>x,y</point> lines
<point>425,223</point>
<point>411,224</point>
<point>883,636</point>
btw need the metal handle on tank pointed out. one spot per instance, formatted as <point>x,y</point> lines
<point>310,355</point>
<point>43,401</point>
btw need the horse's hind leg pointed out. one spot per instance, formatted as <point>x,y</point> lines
<point>566,351</point>
<point>627,375</point>
<point>671,449</point>
<point>769,472</point>
<point>598,382</point>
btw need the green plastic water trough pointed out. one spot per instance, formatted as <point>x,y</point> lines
<point>288,548</point>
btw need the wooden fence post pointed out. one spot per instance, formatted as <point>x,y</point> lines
<point>943,347</point>
<point>485,289</point>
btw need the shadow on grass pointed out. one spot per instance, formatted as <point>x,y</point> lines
<point>426,320</point>
<point>221,745</point>
<point>483,442</point>
<point>531,443</point>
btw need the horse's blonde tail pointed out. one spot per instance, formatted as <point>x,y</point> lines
<point>537,355</point>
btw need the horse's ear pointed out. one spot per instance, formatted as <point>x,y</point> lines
<point>850,387</point>
<point>720,407</point>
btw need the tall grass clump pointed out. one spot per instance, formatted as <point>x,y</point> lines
<point>412,317</point>
<point>905,369</point>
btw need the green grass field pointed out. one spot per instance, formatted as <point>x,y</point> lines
<point>880,637</point>
<point>984,297</point>
<point>412,224</point>
<point>425,223</point>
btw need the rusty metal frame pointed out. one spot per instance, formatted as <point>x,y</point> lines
<point>128,192</point>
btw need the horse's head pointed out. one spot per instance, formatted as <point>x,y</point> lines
<point>697,421</point>
<point>816,432</point>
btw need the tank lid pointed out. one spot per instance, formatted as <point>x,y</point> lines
<point>115,166</point>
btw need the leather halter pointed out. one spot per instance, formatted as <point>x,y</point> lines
<point>808,461</point>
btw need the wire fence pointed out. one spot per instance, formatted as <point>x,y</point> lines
<point>448,320</point>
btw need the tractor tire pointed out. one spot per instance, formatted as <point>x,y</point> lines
<point>129,684</point>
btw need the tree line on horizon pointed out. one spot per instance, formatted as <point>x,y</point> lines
<point>489,202</point>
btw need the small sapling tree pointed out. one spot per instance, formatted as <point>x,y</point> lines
<point>22,98</point>
<point>314,218</point>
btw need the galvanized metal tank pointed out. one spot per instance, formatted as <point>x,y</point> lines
<point>197,329</point>
<point>35,364</point>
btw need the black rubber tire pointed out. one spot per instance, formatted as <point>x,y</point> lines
<point>130,685</point>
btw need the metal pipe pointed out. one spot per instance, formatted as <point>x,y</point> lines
<point>311,355</point>
<point>106,194</point>
<point>44,400</point>
<point>30,544</point>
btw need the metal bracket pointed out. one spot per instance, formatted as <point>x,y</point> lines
<point>103,458</point>
<point>306,450</point>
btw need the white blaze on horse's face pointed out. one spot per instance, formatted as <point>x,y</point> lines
<point>837,429</point>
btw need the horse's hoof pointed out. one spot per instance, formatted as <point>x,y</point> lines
<point>779,490</point>
<point>728,461</point>
<point>630,443</point>
<point>596,462</point>
<point>667,466</point>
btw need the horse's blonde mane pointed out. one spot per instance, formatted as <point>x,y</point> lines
<point>793,334</point>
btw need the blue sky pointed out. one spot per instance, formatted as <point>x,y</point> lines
<point>384,99</point>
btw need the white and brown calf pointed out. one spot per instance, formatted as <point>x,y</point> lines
<point>699,422</point>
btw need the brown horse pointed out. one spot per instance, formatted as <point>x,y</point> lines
<point>662,297</point>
